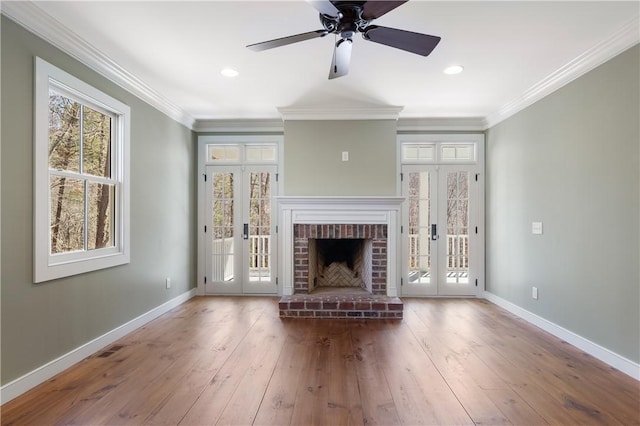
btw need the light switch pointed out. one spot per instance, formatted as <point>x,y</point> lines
<point>345,155</point>
<point>536,228</point>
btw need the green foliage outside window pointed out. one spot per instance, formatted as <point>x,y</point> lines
<point>82,194</point>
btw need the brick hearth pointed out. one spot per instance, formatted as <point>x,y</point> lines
<point>338,305</point>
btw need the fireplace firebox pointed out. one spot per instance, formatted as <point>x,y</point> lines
<point>339,263</point>
<point>340,255</point>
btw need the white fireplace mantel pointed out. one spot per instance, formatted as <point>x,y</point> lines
<point>338,210</point>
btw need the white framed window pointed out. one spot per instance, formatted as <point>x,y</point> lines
<point>232,152</point>
<point>223,153</point>
<point>458,152</point>
<point>418,152</point>
<point>438,149</point>
<point>81,176</point>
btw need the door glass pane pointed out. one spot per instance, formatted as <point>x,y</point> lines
<point>457,227</point>
<point>259,226</point>
<point>419,197</point>
<point>222,248</point>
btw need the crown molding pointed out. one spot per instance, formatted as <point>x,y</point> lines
<point>449,124</point>
<point>621,40</point>
<point>38,22</point>
<point>345,113</point>
<point>239,126</point>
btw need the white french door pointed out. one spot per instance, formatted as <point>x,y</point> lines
<point>441,243</point>
<point>240,229</point>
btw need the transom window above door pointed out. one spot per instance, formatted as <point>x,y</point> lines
<point>238,153</point>
<point>461,150</point>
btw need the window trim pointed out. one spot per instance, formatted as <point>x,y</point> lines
<point>49,266</point>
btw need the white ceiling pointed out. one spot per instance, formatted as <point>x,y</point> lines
<point>508,49</point>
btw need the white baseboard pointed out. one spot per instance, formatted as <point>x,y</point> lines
<point>603,354</point>
<point>41,374</point>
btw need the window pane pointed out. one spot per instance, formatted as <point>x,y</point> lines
<point>67,214</point>
<point>101,215</point>
<point>64,133</point>
<point>224,152</point>
<point>416,152</point>
<point>463,152</point>
<point>96,143</point>
<point>261,153</point>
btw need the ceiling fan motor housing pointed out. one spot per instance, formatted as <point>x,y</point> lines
<point>348,22</point>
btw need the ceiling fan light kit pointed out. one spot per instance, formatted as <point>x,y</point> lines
<point>345,18</point>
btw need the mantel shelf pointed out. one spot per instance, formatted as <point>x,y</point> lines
<point>340,200</point>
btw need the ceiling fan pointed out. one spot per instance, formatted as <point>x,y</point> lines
<point>345,18</point>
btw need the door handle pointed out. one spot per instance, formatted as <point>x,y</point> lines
<point>245,233</point>
<point>434,232</point>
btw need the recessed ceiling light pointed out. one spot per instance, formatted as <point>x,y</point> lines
<point>453,69</point>
<point>229,72</point>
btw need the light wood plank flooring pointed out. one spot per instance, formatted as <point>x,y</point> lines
<point>232,361</point>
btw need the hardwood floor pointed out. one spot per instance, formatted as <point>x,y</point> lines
<point>232,361</point>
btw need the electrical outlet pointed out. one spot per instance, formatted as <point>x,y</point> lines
<point>534,292</point>
<point>167,282</point>
<point>345,155</point>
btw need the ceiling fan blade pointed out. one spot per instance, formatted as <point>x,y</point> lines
<point>341,59</point>
<point>373,9</point>
<point>421,44</point>
<point>257,47</point>
<point>325,7</point>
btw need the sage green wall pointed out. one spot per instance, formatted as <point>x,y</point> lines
<point>44,321</point>
<point>571,161</point>
<point>313,157</point>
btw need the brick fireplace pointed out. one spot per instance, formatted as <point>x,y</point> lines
<point>339,256</point>
<point>369,257</point>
